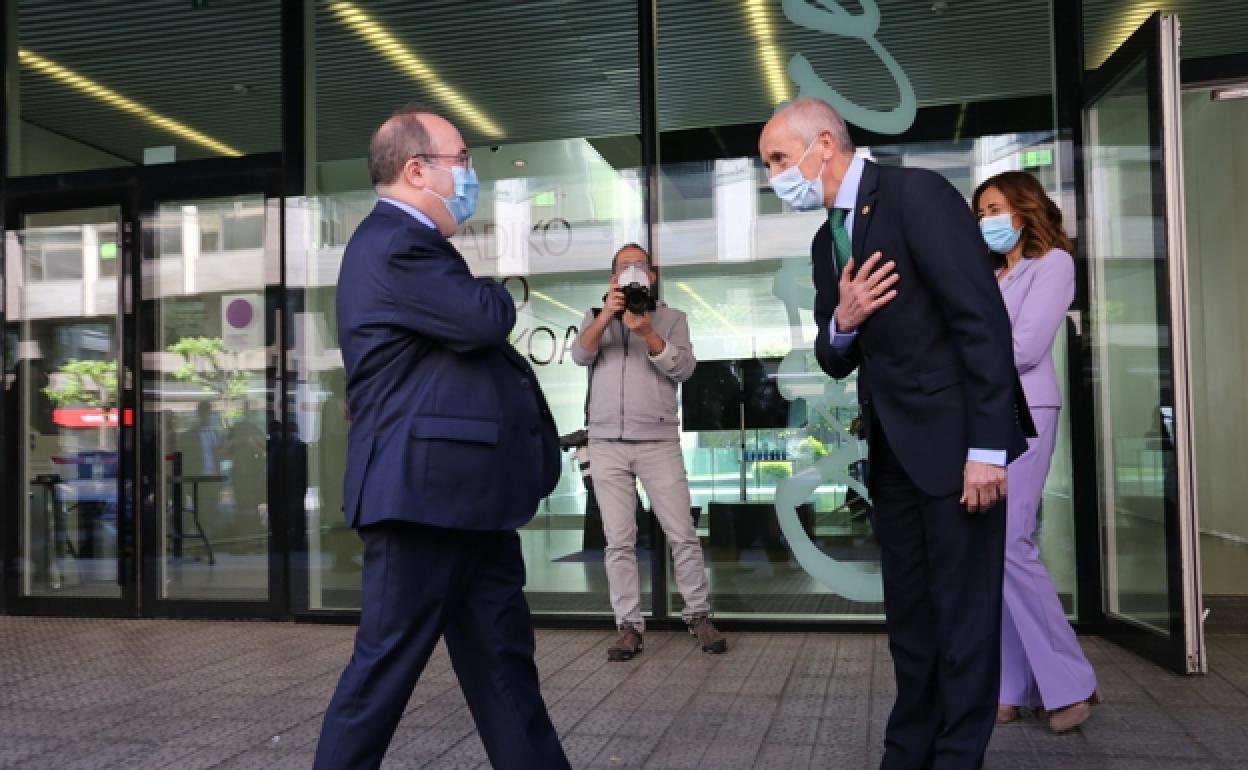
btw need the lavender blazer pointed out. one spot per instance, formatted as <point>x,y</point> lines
<point>1037,293</point>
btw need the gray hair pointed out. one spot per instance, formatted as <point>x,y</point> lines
<point>807,117</point>
<point>396,141</point>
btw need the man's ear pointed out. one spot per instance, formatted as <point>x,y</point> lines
<point>827,143</point>
<point>414,173</point>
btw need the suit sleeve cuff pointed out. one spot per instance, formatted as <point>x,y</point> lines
<point>840,340</point>
<point>995,457</point>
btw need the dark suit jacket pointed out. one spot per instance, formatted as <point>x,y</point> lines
<point>449,427</point>
<point>935,365</point>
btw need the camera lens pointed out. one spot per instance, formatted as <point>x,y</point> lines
<point>637,299</point>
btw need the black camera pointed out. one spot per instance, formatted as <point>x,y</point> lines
<point>574,440</point>
<point>637,299</point>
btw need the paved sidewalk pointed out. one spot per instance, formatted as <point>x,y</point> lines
<point>187,695</point>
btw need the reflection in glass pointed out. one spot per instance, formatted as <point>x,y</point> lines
<point>782,507</point>
<point>79,101</point>
<point>63,401</point>
<point>1215,163</point>
<point>785,513</point>
<point>1130,337</point>
<point>560,212</point>
<point>204,358</point>
<point>561,188</point>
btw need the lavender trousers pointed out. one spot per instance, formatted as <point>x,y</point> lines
<point>1041,661</point>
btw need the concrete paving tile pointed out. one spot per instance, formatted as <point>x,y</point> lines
<point>775,756</point>
<point>625,752</point>
<point>1133,745</point>
<point>87,755</point>
<point>729,752</point>
<point>849,757</point>
<point>581,749</point>
<point>677,753</point>
<point>160,756</point>
<point>268,759</point>
<point>125,698</point>
<point>794,730</point>
<point>13,753</point>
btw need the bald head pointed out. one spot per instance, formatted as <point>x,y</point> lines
<point>806,118</point>
<point>410,160</point>
<point>810,135</point>
<point>404,134</point>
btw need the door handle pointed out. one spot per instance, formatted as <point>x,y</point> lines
<point>1076,320</point>
<point>279,343</point>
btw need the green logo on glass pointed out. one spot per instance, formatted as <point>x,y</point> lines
<point>828,16</point>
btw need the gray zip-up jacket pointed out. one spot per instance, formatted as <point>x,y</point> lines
<point>633,394</point>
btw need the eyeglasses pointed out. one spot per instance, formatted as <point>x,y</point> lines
<point>461,159</point>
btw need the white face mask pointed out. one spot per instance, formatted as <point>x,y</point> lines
<point>634,274</point>
<point>796,190</point>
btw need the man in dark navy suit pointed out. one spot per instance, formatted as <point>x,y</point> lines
<point>451,447</point>
<point>942,407</point>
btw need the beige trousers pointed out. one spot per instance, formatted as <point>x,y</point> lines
<point>615,467</point>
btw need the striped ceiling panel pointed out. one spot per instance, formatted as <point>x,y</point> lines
<point>1208,27</point>
<point>510,71</point>
<point>213,70</point>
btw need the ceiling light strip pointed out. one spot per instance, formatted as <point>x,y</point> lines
<point>768,52</point>
<point>89,87</point>
<point>412,65</point>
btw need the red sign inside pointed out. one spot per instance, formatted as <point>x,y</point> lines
<point>82,417</point>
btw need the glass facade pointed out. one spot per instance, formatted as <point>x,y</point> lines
<point>190,81</point>
<point>62,269</point>
<point>590,126</point>
<point>205,394</point>
<point>780,509</point>
<point>1215,136</point>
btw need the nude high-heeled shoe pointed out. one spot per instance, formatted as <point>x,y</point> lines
<point>1072,717</point>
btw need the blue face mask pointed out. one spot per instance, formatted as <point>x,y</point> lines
<point>999,232</point>
<point>463,204</point>
<point>796,190</point>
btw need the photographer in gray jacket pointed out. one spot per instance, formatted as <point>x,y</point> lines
<point>639,351</point>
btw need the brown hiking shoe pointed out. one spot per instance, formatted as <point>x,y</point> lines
<point>626,646</point>
<point>711,640</point>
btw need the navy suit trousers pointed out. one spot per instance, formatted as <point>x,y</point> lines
<point>943,570</point>
<point>422,583</point>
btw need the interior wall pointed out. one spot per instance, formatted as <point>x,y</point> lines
<point>1215,137</point>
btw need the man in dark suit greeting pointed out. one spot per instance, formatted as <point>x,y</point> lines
<point>905,295</point>
<point>450,449</point>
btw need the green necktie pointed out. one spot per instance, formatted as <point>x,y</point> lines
<point>840,237</point>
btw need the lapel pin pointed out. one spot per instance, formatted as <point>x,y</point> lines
<point>866,210</point>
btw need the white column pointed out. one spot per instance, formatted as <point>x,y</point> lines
<point>735,209</point>
<point>627,225</point>
<point>190,248</point>
<point>513,220</point>
<point>90,268</point>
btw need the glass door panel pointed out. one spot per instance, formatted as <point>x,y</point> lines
<point>207,398</point>
<point>1135,248</point>
<point>63,272</point>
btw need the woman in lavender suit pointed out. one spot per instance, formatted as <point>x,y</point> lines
<point>1041,662</point>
